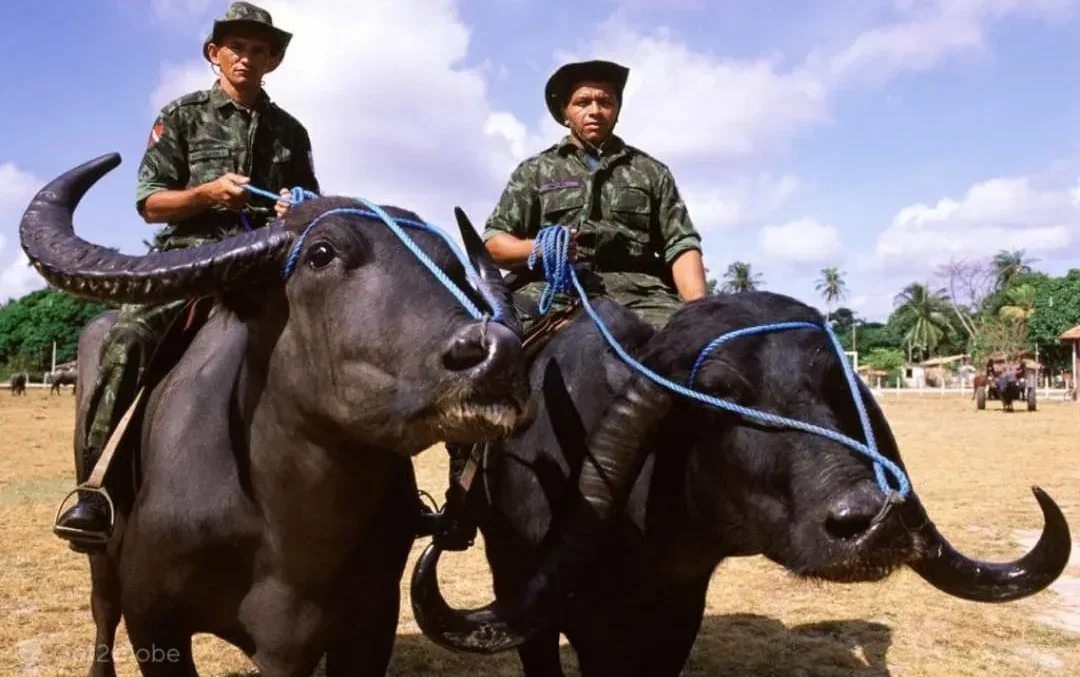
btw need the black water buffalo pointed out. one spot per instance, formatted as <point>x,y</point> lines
<point>18,383</point>
<point>278,520</point>
<point>691,485</point>
<point>63,377</point>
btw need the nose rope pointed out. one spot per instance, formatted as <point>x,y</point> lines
<point>373,211</point>
<point>552,245</point>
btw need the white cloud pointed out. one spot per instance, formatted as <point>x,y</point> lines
<point>801,241</point>
<point>16,189</point>
<point>685,106</point>
<point>409,121</point>
<point>1000,213</point>
<point>741,201</point>
<point>928,32</point>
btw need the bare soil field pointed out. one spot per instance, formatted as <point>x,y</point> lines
<point>973,470</point>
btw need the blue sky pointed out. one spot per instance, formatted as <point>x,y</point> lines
<point>880,136</point>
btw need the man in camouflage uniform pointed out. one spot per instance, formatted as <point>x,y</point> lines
<point>629,224</point>
<point>202,148</point>
<point>631,228</point>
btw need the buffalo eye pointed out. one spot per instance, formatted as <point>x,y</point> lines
<point>320,255</point>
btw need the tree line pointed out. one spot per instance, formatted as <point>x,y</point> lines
<point>1000,305</point>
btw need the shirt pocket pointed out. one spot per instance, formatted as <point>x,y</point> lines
<point>631,214</point>
<point>632,207</point>
<point>562,206</point>
<point>208,163</point>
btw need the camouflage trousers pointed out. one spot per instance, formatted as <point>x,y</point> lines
<point>646,295</point>
<point>125,354</point>
<point>126,351</point>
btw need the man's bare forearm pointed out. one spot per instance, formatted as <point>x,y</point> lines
<point>509,252</point>
<point>176,205</point>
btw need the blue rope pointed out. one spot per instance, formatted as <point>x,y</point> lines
<point>552,242</point>
<point>373,211</point>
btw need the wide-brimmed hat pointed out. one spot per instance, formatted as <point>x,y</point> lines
<point>247,15</point>
<point>561,82</point>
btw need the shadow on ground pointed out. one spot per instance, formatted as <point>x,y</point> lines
<point>737,645</point>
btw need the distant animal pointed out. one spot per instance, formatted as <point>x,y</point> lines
<point>62,377</point>
<point>979,381</point>
<point>18,383</point>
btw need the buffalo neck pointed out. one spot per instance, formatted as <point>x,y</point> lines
<point>318,494</point>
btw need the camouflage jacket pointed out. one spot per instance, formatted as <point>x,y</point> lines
<point>631,221</point>
<point>205,134</point>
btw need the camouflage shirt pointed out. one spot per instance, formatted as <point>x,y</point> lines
<point>205,134</point>
<point>632,223</point>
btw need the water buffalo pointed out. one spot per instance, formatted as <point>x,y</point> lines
<point>690,485</point>
<point>18,383</point>
<point>62,377</point>
<point>252,510</point>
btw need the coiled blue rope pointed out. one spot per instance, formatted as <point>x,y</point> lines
<point>373,211</point>
<point>552,244</point>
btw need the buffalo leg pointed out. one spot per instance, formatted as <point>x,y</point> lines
<point>106,609</point>
<point>366,651</point>
<point>670,634</point>
<point>653,638</point>
<point>162,653</point>
<point>540,655</point>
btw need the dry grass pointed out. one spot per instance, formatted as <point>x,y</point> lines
<point>973,470</point>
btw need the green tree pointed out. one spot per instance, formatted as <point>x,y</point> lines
<point>1057,308</point>
<point>1009,265</point>
<point>710,283</point>
<point>832,287</point>
<point>739,277</point>
<point>29,325</point>
<point>920,315</point>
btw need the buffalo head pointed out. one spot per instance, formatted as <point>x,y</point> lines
<point>360,341</point>
<point>807,502</point>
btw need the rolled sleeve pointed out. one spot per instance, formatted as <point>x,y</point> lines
<point>518,210</point>
<point>677,231</point>
<point>163,166</point>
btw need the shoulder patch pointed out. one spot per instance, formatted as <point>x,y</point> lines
<point>155,133</point>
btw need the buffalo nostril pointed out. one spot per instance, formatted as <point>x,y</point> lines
<point>852,515</point>
<point>465,352</point>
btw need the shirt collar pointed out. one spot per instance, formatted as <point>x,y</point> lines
<point>219,99</point>
<point>614,146</point>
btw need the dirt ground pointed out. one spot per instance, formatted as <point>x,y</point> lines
<point>972,469</point>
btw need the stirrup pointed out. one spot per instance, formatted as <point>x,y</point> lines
<point>82,536</point>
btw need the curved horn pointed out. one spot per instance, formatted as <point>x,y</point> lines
<point>614,459</point>
<point>489,274</point>
<point>955,574</point>
<point>95,272</point>
<point>948,570</point>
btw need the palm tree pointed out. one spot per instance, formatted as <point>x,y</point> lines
<point>1021,304</point>
<point>920,316</point>
<point>739,277</point>
<point>710,283</point>
<point>832,288</point>
<point>1008,265</point>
